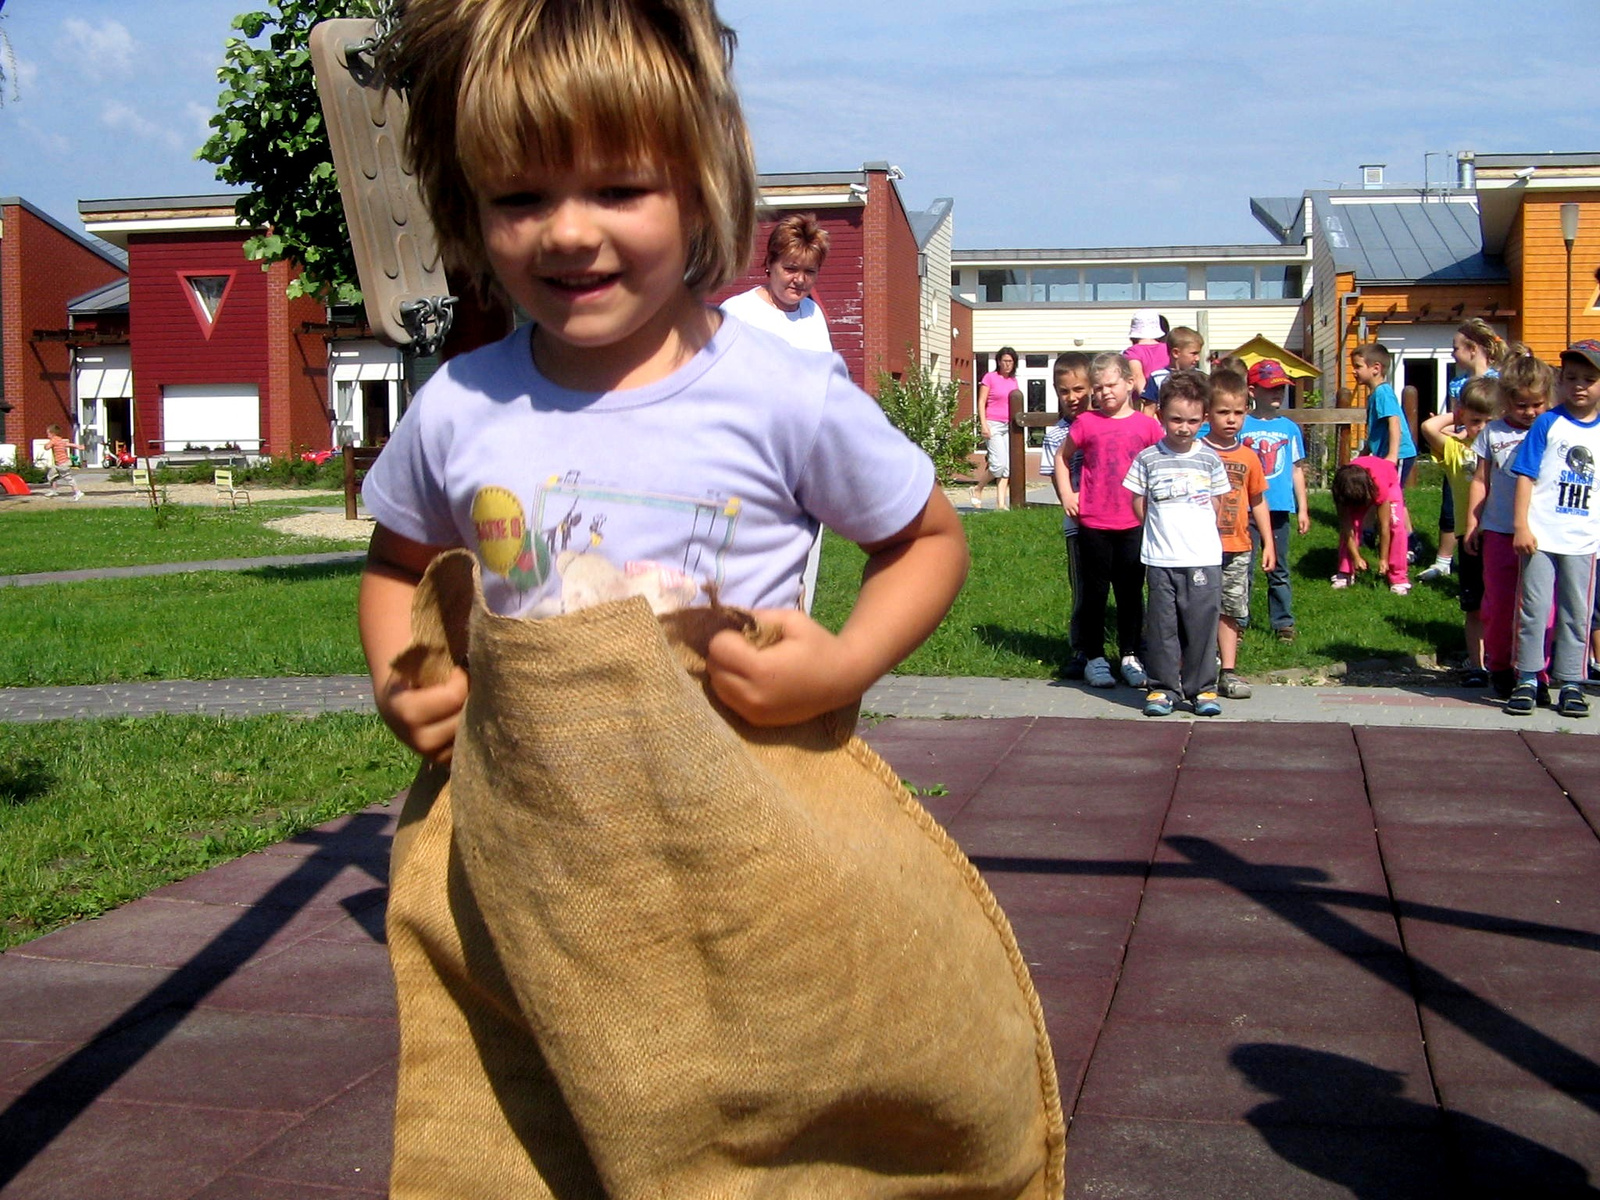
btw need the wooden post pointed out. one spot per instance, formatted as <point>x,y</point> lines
<point>1017,448</point>
<point>349,453</point>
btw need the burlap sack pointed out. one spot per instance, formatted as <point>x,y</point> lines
<point>643,949</point>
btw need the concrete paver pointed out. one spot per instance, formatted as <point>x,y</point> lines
<point>1258,984</point>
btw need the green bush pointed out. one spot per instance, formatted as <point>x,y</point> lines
<point>925,411</point>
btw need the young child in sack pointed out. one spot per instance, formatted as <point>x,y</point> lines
<point>592,163</point>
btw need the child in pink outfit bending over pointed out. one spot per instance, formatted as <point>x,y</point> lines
<point>1368,483</point>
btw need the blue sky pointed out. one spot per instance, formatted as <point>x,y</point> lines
<point>1064,123</point>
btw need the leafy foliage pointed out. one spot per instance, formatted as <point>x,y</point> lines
<point>271,138</point>
<point>924,409</point>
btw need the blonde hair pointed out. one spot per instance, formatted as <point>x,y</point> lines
<point>1482,335</point>
<point>1182,335</point>
<point>494,85</point>
<point>1521,372</point>
<point>1481,396</point>
<point>1110,360</point>
<point>1232,384</point>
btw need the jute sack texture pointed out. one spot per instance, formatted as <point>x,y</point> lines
<point>643,949</point>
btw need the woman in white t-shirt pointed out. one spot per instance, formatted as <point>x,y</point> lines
<point>783,305</point>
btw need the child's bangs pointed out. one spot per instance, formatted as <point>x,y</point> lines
<point>562,101</point>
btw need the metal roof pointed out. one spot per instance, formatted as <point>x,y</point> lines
<point>1412,241</point>
<point>1280,214</point>
<point>925,224</point>
<point>112,297</point>
<point>112,254</point>
<point>1130,254</point>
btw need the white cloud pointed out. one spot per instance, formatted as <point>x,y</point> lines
<point>55,144</point>
<point>108,47</point>
<point>119,116</point>
<point>200,116</point>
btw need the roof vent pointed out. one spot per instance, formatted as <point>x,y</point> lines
<point>1372,175</point>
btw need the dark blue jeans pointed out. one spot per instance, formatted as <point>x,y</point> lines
<point>1280,599</point>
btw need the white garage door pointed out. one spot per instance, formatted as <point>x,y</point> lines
<point>210,415</point>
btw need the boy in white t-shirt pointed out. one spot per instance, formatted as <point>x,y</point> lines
<point>1557,533</point>
<point>1178,485</point>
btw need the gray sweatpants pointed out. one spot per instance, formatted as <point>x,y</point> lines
<point>1180,628</point>
<point>1568,580</point>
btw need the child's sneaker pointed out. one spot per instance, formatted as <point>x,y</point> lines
<point>77,495</point>
<point>1284,633</point>
<point>1524,699</point>
<point>1341,580</point>
<point>1572,702</point>
<point>1158,704</point>
<point>1441,569</point>
<point>1232,687</point>
<point>1097,673</point>
<point>1133,671</point>
<point>1400,589</point>
<point>1205,705</point>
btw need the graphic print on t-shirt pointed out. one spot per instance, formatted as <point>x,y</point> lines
<point>1231,508</point>
<point>1575,484</point>
<point>561,550</point>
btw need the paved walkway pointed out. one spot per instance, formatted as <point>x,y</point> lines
<point>894,696</point>
<point>1370,967</point>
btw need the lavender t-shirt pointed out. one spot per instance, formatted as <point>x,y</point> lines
<point>715,475</point>
<point>1109,445</point>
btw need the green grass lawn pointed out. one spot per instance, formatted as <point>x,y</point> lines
<point>1011,619</point>
<point>203,625</point>
<point>83,536</point>
<point>96,813</point>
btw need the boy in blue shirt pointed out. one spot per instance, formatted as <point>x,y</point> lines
<point>1388,435</point>
<point>1557,534</point>
<point>1278,443</point>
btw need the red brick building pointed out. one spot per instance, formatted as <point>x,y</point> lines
<point>220,356</point>
<point>43,266</point>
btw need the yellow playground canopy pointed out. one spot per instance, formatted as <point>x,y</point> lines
<point>1262,347</point>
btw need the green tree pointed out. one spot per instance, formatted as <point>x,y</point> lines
<point>924,409</point>
<point>270,138</point>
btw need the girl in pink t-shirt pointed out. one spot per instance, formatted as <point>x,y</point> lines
<point>1109,436</point>
<point>994,421</point>
<point>1368,483</point>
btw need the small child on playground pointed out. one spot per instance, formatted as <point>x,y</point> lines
<point>1178,486</point>
<point>1185,347</point>
<point>1557,534</point>
<point>1450,437</point>
<point>60,454</point>
<point>1073,395</point>
<point>1365,485</point>
<point>1388,435</point>
<point>1279,444</point>
<point>1525,387</point>
<point>1477,350</point>
<point>598,168</point>
<point>1109,435</point>
<point>1244,508</point>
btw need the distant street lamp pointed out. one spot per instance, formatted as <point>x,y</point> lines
<point>1569,234</point>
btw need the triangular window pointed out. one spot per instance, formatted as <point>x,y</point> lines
<point>206,294</point>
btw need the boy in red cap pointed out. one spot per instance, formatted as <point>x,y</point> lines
<point>1278,443</point>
